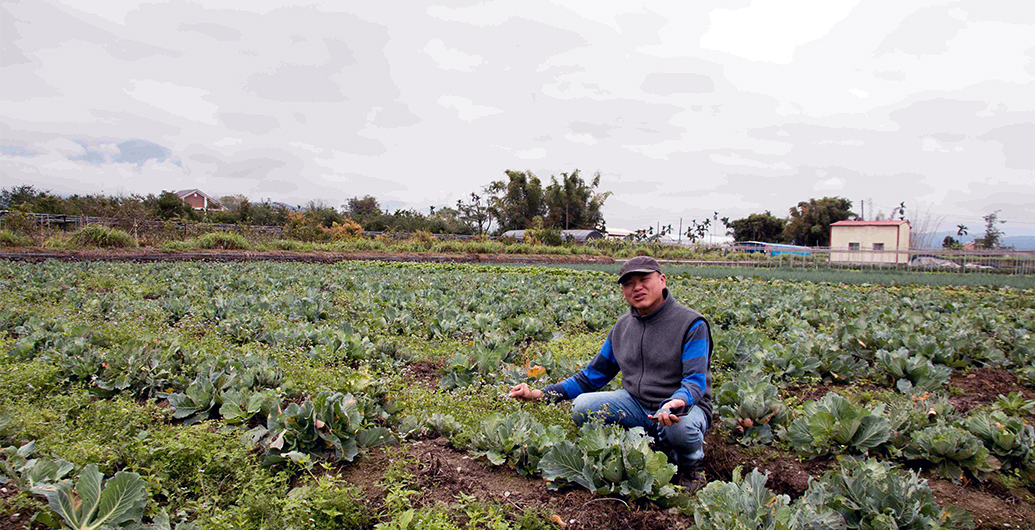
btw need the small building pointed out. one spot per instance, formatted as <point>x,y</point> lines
<point>578,236</point>
<point>869,242</point>
<point>199,200</point>
<point>774,249</point>
<point>619,233</point>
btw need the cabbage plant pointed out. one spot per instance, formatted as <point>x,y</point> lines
<point>834,425</point>
<point>95,504</point>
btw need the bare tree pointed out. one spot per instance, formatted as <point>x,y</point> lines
<point>922,227</point>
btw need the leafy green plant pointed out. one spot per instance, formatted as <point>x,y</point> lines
<point>609,459</point>
<point>1015,403</point>
<point>745,503</point>
<point>1008,438</point>
<point>435,424</point>
<point>953,451</point>
<point>94,504</point>
<point>200,399</point>
<point>907,372</point>
<point>25,472</point>
<point>240,405</point>
<point>834,425</point>
<point>912,413</point>
<point>516,439</point>
<point>872,494</point>
<point>330,426</point>
<point>750,408</point>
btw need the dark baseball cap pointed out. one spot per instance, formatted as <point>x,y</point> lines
<point>639,264</point>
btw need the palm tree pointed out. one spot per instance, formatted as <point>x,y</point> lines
<point>962,230</point>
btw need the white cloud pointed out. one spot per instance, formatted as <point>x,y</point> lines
<point>186,102</point>
<point>466,109</point>
<point>536,153</point>
<point>830,184</point>
<point>771,30</point>
<point>450,59</point>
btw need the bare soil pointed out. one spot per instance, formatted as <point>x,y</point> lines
<point>787,474</point>
<point>989,510</point>
<point>425,371</point>
<point>981,386</point>
<point>443,473</point>
<point>151,255</point>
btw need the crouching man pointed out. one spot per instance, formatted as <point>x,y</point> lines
<point>662,349</point>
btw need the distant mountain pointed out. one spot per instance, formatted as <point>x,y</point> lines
<point>1017,242</point>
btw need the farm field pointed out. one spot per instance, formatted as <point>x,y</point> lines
<point>373,395</point>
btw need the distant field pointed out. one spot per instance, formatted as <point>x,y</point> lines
<point>835,276</point>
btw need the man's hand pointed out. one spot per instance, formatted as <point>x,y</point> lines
<point>524,393</point>
<point>665,418</point>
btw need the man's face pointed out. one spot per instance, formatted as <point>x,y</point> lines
<point>643,291</point>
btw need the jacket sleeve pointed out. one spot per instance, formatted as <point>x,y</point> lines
<point>601,370</point>
<point>695,365</point>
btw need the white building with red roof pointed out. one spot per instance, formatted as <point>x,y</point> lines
<point>869,242</point>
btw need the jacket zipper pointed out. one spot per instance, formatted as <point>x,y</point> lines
<point>639,385</point>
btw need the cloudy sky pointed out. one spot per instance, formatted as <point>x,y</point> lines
<point>685,108</point>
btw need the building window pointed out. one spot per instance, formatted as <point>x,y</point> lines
<point>878,246</point>
<point>853,246</point>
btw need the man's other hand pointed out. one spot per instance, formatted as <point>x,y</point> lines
<point>524,393</point>
<point>665,417</point>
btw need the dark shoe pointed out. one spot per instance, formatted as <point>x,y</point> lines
<point>691,478</point>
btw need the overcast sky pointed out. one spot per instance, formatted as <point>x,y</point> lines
<point>685,108</point>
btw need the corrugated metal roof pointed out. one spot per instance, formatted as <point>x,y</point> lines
<point>870,223</point>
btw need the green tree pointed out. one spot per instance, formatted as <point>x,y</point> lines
<point>993,234</point>
<point>475,213</point>
<point>764,227</point>
<point>950,243</point>
<point>810,221</point>
<point>573,204</point>
<point>168,205</point>
<point>516,201</point>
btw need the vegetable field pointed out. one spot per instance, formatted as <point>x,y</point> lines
<point>373,395</point>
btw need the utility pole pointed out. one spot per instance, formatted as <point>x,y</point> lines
<point>680,240</point>
<point>862,209</point>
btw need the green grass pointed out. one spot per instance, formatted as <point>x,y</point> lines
<point>9,238</point>
<point>97,236</point>
<point>223,240</point>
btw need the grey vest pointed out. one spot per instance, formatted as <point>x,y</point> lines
<point>649,351</point>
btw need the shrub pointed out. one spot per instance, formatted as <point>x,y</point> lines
<point>102,236</point>
<point>223,240</point>
<point>303,227</point>
<point>9,238</point>
<point>347,229</point>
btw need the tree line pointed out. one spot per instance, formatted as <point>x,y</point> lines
<point>519,201</point>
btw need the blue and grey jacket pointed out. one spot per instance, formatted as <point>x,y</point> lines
<point>663,355</point>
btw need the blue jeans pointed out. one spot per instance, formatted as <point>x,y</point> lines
<point>683,441</point>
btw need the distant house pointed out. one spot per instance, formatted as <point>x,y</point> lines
<point>869,242</point>
<point>199,200</point>
<point>578,236</point>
